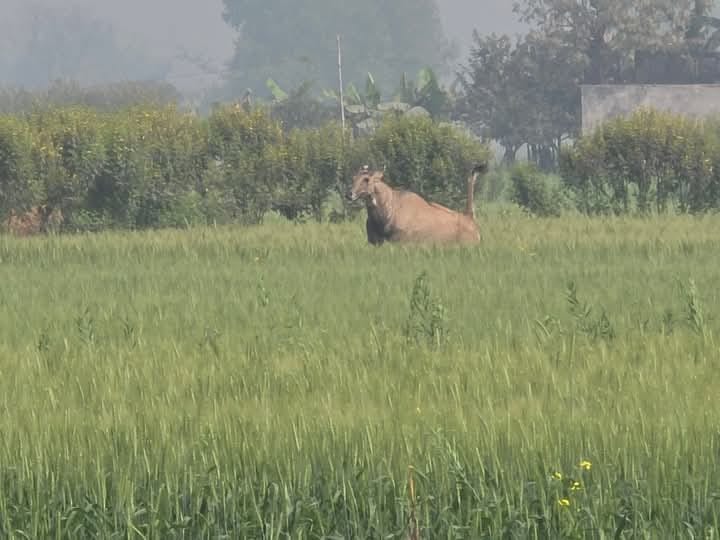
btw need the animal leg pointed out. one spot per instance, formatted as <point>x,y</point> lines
<point>373,234</point>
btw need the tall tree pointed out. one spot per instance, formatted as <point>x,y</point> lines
<point>292,41</point>
<point>521,93</point>
<point>609,32</point>
<point>493,101</point>
<point>528,92</point>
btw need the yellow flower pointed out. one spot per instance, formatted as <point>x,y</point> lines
<point>585,465</point>
<point>575,486</point>
<point>557,476</point>
<point>564,502</point>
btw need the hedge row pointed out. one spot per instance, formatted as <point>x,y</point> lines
<point>650,161</point>
<point>141,167</point>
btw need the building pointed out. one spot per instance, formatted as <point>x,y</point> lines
<point>602,102</point>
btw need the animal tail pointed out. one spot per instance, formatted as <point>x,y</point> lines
<point>477,170</point>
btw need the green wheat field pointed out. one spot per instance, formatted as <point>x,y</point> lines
<point>561,380</point>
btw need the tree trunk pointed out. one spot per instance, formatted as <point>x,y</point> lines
<point>509,155</point>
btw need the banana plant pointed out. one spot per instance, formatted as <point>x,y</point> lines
<point>425,92</point>
<point>364,109</point>
<point>425,96</point>
<point>278,93</point>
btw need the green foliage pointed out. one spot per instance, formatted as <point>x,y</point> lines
<point>595,328</point>
<point>695,311</point>
<point>155,167</point>
<point>118,169</point>
<point>541,194</point>
<point>427,322</point>
<point>607,35</point>
<point>229,382</point>
<point>247,146</point>
<point>364,110</point>
<point>384,39</point>
<point>648,161</point>
<point>300,109</point>
<point>521,93</point>
<point>315,165</point>
<point>102,97</point>
<point>176,149</point>
<point>525,91</point>
<point>428,158</point>
<point>19,185</point>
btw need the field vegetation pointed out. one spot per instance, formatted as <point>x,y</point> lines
<point>204,345</point>
<point>210,349</point>
<point>279,381</point>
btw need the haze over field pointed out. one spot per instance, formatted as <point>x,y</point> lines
<point>185,41</point>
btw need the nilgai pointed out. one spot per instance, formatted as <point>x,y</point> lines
<point>395,215</point>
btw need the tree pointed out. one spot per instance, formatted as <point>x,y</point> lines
<point>703,42</point>
<point>553,72</point>
<point>609,32</point>
<point>522,93</point>
<point>105,97</point>
<point>494,103</point>
<point>528,92</point>
<point>384,38</point>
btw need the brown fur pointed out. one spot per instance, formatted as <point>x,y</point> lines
<point>403,216</point>
<point>38,219</point>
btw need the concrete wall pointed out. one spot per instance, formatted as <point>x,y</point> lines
<point>603,102</point>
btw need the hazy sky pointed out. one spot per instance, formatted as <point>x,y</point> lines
<point>170,29</point>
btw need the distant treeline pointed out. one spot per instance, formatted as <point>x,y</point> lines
<point>103,97</point>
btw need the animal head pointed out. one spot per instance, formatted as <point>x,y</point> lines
<point>364,182</point>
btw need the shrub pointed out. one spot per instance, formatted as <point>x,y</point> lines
<point>314,166</point>
<point>19,185</point>
<point>541,194</point>
<point>427,322</point>
<point>157,167</point>
<point>100,97</point>
<point>117,191</point>
<point>248,147</point>
<point>424,156</point>
<point>68,154</point>
<point>647,161</point>
<point>174,147</point>
<point>498,186</point>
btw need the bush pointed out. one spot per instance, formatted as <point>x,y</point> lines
<point>173,146</point>
<point>541,194</point>
<point>498,185</point>
<point>314,166</point>
<point>19,185</point>
<point>647,161</point>
<point>68,155</point>
<point>429,158</point>
<point>248,147</point>
<point>150,167</point>
<point>101,97</point>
